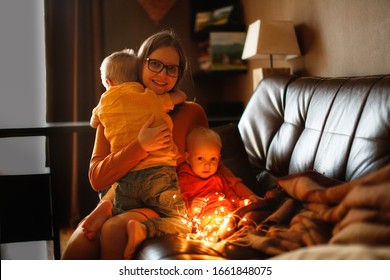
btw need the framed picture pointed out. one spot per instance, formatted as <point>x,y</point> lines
<point>226,50</point>
<point>202,21</point>
<point>205,19</point>
<point>221,16</point>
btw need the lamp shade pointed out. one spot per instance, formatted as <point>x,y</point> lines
<point>269,38</point>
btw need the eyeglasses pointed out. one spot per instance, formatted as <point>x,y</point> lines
<point>157,66</point>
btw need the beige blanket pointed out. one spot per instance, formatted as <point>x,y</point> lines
<point>310,209</point>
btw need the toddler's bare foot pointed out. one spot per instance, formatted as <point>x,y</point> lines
<point>94,221</point>
<point>136,233</point>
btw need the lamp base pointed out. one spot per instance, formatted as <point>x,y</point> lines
<point>261,73</point>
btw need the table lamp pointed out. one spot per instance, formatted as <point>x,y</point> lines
<point>270,39</point>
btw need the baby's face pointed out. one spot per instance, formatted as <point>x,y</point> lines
<point>204,159</point>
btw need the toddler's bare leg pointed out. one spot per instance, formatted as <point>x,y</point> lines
<point>136,233</point>
<point>94,221</point>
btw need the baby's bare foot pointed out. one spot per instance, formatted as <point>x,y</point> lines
<point>136,233</point>
<point>94,221</point>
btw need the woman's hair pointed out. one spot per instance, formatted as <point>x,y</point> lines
<point>203,134</point>
<point>120,67</point>
<point>164,38</point>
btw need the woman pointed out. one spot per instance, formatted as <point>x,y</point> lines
<point>106,168</point>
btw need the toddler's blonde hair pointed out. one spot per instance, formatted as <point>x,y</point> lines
<point>203,134</point>
<point>119,67</point>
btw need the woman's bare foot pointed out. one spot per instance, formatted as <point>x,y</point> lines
<point>136,233</point>
<point>94,221</point>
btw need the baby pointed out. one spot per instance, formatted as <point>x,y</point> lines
<point>206,191</point>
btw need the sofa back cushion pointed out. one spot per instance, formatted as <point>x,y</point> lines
<point>339,127</point>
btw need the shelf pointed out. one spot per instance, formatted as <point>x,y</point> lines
<point>218,73</point>
<point>204,33</point>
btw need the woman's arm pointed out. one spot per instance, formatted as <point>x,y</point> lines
<point>106,168</point>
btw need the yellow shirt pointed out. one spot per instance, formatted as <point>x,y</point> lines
<point>124,109</point>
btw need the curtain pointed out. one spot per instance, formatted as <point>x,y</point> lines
<point>74,51</point>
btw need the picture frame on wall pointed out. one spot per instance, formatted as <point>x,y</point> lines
<point>225,50</point>
<point>202,21</point>
<point>205,19</point>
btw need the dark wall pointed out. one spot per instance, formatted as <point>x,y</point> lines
<point>337,38</point>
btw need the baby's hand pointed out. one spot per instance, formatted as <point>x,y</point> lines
<point>244,202</point>
<point>197,204</point>
<point>254,198</point>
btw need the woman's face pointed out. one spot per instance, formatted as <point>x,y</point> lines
<point>160,82</point>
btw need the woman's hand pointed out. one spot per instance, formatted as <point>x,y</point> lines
<point>154,138</point>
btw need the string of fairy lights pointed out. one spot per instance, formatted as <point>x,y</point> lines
<point>206,227</point>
